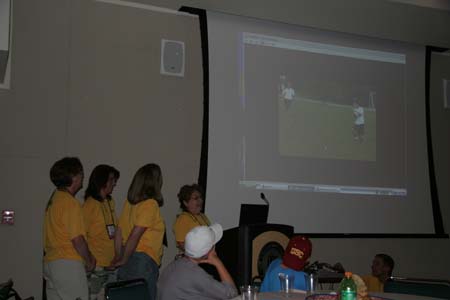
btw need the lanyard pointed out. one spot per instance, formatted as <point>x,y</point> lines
<point>205,221</point>
<point>110,211</point>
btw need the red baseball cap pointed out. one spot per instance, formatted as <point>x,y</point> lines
<point>297,253</point>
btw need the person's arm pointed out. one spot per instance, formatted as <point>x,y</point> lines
<point>181,227</point>
<point>117,247</point>
<point>225,289</point>
<point>214,260</point>
<point>118,242</point>
<point>130,245</point>
<point>80,245</point>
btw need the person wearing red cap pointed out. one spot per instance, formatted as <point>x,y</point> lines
<point>295,257</point>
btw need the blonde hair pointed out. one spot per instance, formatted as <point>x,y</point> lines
<point>146,184</point>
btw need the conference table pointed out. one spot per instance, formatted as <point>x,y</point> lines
<point>302,296</point>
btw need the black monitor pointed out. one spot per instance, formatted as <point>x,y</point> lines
<point>253,214</point>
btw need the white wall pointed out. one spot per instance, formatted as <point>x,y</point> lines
<point>86,82</point>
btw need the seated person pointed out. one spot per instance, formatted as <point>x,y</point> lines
<point>184,279</point>
<point>294,260</point>
<point>382,267</point>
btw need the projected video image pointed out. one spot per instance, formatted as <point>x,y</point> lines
<point>325,98</point>
<point>339,123</point>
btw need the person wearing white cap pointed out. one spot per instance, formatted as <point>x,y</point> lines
<point>185,279</point>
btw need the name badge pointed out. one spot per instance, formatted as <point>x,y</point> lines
<point>111,230</point>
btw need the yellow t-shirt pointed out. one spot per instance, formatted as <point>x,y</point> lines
<point>63,222</point>
<point>98,214</point>
<point>185,222</point>
<point>144,214</point>
<point>373,284</point>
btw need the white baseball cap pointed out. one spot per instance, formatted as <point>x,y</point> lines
<point>201,239</point>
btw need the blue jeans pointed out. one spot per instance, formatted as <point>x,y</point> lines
<point>140,265</point>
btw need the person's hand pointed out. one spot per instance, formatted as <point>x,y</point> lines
<point>114,261</point>
<point>212,258</point>
<point>90,266</point>
<point>117,262</point>
<point>110,268</point>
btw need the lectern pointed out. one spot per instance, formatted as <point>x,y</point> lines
<point>247,250</point>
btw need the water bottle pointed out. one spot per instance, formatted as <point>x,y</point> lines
<point>347,288</point>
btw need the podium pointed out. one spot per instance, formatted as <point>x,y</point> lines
<point>248,250</point>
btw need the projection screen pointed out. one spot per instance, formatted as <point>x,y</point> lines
<point>330,127</point>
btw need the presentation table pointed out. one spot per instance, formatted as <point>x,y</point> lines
<point>303,296</point>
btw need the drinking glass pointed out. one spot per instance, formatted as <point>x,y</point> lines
<point>286,283</point>
<point>311,283</point>
<point>249,292</point>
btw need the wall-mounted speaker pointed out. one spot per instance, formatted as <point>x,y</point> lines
<point>248,250</point>
<point>172,58</point>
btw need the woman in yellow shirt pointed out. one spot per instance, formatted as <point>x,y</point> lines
<point>139,237</point>
<point>66,251</point>
<point>100,221</point>
<point>191,202</point>
<point>99,213</point>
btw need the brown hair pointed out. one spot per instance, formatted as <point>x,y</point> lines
<point>98,180</point>
<point>185,194</point>
<point>62,171</point>
<point>146,184</point>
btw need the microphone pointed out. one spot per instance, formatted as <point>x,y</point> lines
<point>263,197</point>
